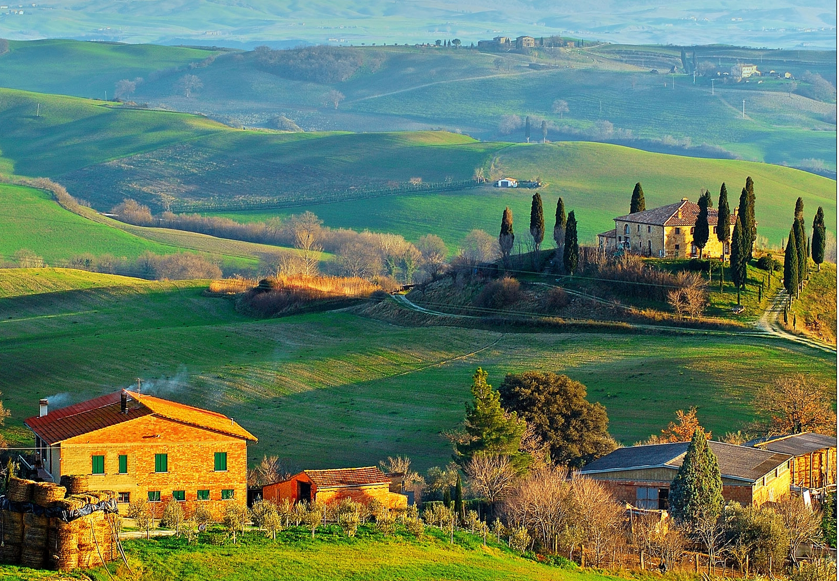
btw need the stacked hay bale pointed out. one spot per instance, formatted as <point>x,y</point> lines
<point>35,535</point>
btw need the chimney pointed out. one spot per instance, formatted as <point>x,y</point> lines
<point>123,402</point>
<point>44,407</point>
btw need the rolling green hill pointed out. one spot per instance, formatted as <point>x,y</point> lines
<point>338,389</point>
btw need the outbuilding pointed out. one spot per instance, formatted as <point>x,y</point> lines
<point>326,486</point>
<point>814,457</point>
<point>507,183</point>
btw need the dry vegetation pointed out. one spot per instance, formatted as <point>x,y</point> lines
<point>285,294</point>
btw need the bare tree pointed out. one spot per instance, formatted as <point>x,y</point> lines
<point>334,97</point>
<point>803,524</point>
<point>599,517</point>
<point>188,84</point>
<point>125,88</point>
<point>433,251</point>
<point>490,475</point>
<point>542,502</point>
<point>306,229</point>
<point>478,247</point>
<point>560,106</point>
<point>270,470</point>
<point>796,404</point>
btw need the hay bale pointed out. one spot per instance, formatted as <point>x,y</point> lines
<point>75,484</point>
<point>70,503</point>
<point>45,493</point>
<point>12,523</point>
<point>66,560</point>
<point>33,558</point>
<point>32,520</point>
<point>89,559</point>
<point>19,490</point>
<point>10,553</point>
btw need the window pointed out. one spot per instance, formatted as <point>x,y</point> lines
<point>715,229</point>
<point>97,464</point>
<point>203,495</point>
<point>638,228</point>
<point>154,496</point>
<point>620,238</point>
<point>649,229</point>
<point>677,247</point>
<point>123,464</point>
<point>692,230</point>
<point>161,462</point>
<point>646,497</point>
<point>678,230</point>
<point>179,495</point>
<point>626,228</point>
<point>227,494</point>
<point>221,462</point>
<point>124,497</point>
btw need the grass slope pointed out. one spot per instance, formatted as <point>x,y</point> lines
<point>333,389</point>
<point>816,309</point>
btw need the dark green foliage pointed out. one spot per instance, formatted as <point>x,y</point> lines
<point>750,223</point>
<point>447,496</point>
<point>487,428</point>
<point>799,209</point>
<point>559,225</point>
<point>637,204</point>
<point>723,216</point>
<point>701,230</point>
<point>761,529</point>
<point>739,257</point>
<point>318,64</point>
<point>801,248</point>
<point>791,265</point>
<point>506,237</point>
<point>571,254</point>
<point>537,221</point>
<point>829,519</point>
<point>458,498</point>
<point>819,237</point>
<point>556,407</point>
<point>696,491</point>
<point>527,128</point>
<point>766,262</point>
<point>544,131</point>
<point>684,59</point>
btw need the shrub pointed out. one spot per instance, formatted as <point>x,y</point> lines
<point>499,294</point>
<point>820,570</point>
<point>696,265</point>
<point>173,516</point>
<point>555,299</point>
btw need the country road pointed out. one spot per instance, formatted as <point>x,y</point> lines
<point>768,323</point>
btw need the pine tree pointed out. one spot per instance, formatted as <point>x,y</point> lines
<point>791,265</point>
<point>458,498</point>
<point>527,128</point>
<point>701,230</point>
<point>637,204</point>
<point>819,237</point>
<point>487,427</point>
<point>571,253</point>
<point>723,219</point>
<point>696,491</point>
<point>537,222</point>
<point>506,237</point>
<point>738,257</point>
<point>559,226</point>
<point>801,248</point>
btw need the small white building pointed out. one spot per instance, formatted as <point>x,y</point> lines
<point>507,183</point>
<point>744,71</point>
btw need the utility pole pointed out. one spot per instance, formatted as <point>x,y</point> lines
<point>38,111</point>
<point>694,77</point>
<point>744,108</point>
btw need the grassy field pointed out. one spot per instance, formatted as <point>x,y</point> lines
<point>334,389</point>
<point>816,310</point>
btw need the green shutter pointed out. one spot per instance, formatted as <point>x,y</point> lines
<point>154,496</point>
<point>203,495</point>
<point>97,464</point>
<point>179,495</point>
<point>227,494</point>
<point>221,462</point>
<point>123,464</point>
<point>161,463</point>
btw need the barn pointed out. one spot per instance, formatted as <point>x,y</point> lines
<point>641,475</point>
<point>145,447</point>
<point>326,486</point>
<point>814,462</point>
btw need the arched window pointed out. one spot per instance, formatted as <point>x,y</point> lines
<point>626,229</point>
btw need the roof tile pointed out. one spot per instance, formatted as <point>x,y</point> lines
<point>348,476</point>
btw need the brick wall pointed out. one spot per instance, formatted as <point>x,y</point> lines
<point>363,494</point>
<point>191,462</point>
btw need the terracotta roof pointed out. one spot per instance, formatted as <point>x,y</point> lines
<point>669,215</point>
<point>737,462</point>
<point>102,412</point>
<point>795,444</point>
<point>348,477</point>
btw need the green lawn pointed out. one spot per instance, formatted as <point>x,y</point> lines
<point>816,310</point>
<point>336,389</point>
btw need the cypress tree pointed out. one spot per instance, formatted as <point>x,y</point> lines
<point>696,491</point>
<point>527,128</point>
<point>544,131</point>
<point>738,257</point>
<point>801,249</point>
<point>743,214</point>
<point>559,226</point>
<point>791,265</point>
<point>537,222</point>
<point>723,218</point>
<point>819,236</point>
<point>701,230</point>
<point>750,222</point>
<point>799,209</point>
<point>571,254</point>
<point>506,237</point>
<point>637,204</point>
<point>447,496</point>
<point>458,498</point>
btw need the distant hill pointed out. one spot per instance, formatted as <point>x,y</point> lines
<point>772,23</point>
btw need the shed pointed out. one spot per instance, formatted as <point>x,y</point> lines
<point>814,462</point>
<point>507,183</point>
<point>641,475</point>
<point>326,486</point>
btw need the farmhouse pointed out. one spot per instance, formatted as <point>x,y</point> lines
<point>665,232</point>
<point>360,484</point>
<point>744,71</point>
<point>142,446</point>
<point>814,457</point>
<point>506,183</point>
<point>641,475</point>
<point>525,42</point>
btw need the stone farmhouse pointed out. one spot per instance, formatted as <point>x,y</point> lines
<point>326,486</point>
<point>641,475</point>
<point>145,447</point>
<point>814,457</point>
<point>665,232</point>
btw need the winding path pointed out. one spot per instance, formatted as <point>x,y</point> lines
<point>769,324</point>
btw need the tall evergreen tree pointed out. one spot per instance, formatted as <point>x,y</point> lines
<point>506,237</point>
<point>791,265</point>
<point>701,230</point>
<point>750,222</point>
<point>544,131</point>
<point>819,238</point>
<point>571,254</point>
<point>458,498</point>
<point>527,128</point>
<point>738,257</point>
<point>696,491</point>
<point>488,429</point>
<point>537,222</point>
<point>559,227</point>
<point>743,214</point>
<point>799,209</point>
<point>801,248</point>
<point>723,218</point>
<point>637,204</point>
